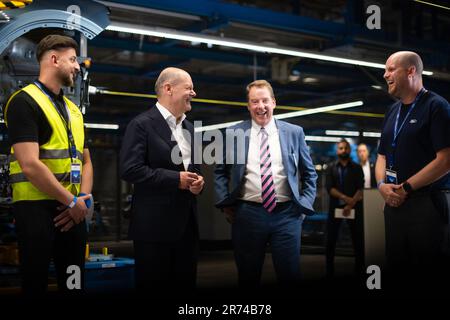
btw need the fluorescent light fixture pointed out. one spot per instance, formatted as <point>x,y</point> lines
<point>322,139</point>
<point>102,126</point>
<point>372,134</point>
<point>318,110</point>
<point>433,4</point>
<point>233,43</point>
<point>286,115</point>
<point>342,133</point>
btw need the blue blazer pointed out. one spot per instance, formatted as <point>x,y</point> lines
<point>300,171</point>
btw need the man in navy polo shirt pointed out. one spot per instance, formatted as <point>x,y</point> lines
<point>412,167</point>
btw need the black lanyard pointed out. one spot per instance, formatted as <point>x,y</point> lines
<point>72,147</point>
<point>397,129</point>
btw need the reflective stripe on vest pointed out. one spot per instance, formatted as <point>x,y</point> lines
<point>54,153</point>
<point>51,154</point>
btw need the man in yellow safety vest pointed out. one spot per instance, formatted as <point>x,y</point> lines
<point>50,170</point>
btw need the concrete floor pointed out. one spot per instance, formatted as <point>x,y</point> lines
<point>217,269</point>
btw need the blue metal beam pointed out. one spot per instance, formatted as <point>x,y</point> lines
<point>348,32</point>
<point>214,10</point>
<point>182,52</point>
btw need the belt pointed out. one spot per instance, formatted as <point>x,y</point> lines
<point>279,206</point>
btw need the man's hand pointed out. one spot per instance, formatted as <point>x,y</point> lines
<point>390,194</point>
<point>347,210</point>
<point>72,216</point>
<point>348,200</point>
<point>400,191</point>
<point>197,186</point>
<point>229,214</point>
<point>186,179</point>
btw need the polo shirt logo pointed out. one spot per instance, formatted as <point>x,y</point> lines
<point>413,121</point>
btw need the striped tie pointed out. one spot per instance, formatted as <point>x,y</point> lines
<point>269,199</point>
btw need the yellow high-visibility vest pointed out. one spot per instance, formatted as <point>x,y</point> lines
<point>54,153</point>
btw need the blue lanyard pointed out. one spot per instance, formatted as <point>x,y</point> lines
<point>72,146</point>
<point>341,171</point>
<point>397,129</point>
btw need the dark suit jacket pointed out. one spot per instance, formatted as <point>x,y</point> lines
<point>160,210</point>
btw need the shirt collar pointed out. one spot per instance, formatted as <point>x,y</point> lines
<point>168,116</point>
<point>270,128</point>
<point>50,93</point>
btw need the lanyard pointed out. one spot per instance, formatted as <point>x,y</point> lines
<point>72,147</point>
<point>397,130</point>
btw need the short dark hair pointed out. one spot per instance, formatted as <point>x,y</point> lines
<point>54,42</point>
<point>346,142</point>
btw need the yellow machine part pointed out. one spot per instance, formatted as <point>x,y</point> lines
<point>6,5</point>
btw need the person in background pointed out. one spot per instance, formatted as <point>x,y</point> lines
<point>367,166</point>
<point>344,183</point>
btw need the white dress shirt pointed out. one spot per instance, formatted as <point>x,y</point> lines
<point>251,190</point>
<point>177,133</point>
<point>366,170</point>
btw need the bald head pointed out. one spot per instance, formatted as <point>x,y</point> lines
<point>409,59</point>
<point>170,76</point>
<point>175,90</point>
<point>403,74</point>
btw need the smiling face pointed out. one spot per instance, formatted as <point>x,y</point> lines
<point>182,92</point>
<point>397,76</point>
<point>261,105</point>
<point>68,67</point>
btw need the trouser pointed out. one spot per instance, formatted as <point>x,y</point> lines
<point>167,267</point>
<point>357,234</point>
<point>414,237</point>
<point>254,228</point>
<point>39,241</point>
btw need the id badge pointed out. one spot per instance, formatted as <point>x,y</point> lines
<point>75,173</point>
<point>391,176</point>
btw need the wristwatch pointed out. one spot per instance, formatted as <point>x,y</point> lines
<point>407,187</point>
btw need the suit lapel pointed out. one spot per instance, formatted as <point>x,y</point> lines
<point>283,144</point>
<point>246,126</point>
<point>161,127</point>
<point>188,126</point>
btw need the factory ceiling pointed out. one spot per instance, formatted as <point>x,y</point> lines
<point>126,62</point>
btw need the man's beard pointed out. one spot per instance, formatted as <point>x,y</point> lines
<point>67,80</point>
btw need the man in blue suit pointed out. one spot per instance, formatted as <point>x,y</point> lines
<point>266,195</point>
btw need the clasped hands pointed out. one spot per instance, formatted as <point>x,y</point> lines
<point>350,203</point>
<point>191,181</point>
<point>72,216</point>
<point>394,195</point>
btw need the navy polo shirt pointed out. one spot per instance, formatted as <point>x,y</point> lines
<point>425,132</point>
